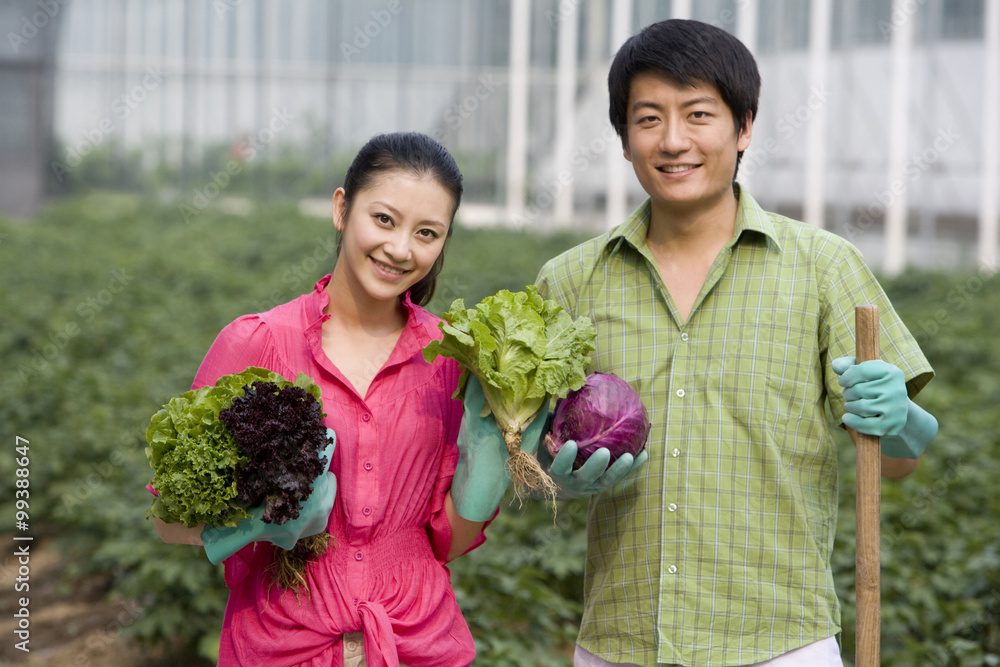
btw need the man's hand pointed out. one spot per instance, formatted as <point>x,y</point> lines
<point>874,396</point>
<point>594,476</point>
<point>877,404</point>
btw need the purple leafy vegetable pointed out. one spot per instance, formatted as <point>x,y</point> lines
<point>282,433</point>
<point>605,412</point>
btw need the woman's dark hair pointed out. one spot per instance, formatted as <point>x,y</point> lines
<point>688,52</point>
<point>419,154</point>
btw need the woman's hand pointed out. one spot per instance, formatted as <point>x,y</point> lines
<point>221,543</point>
<point>481,476</point>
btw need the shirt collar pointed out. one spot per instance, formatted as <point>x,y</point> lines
<point>421,323</point>
<point>750,217</point>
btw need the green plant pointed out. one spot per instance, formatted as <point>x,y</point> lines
<point>110,302</point>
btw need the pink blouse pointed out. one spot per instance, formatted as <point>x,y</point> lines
<point>394,460</point>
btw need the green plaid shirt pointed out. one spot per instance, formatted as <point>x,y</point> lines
<point>719,552</point>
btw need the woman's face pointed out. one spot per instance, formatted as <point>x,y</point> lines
<point>394,232</point>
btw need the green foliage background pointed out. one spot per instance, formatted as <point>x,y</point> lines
<point>109,303</point>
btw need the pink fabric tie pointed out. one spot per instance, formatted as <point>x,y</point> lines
<point>380,645</point>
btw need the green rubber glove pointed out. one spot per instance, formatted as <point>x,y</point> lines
<point>874,396</point>
<point>221,543</point>
<point>917,433</point>
<point>595,475</point>
<point>877,404</point>
<point>480,475</point>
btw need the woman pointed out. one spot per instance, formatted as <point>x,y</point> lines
<point>400,437</point>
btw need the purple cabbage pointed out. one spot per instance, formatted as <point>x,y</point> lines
<point>605,412</point>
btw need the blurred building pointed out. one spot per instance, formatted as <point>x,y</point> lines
<point>27,70</point>
<point>878,118</point>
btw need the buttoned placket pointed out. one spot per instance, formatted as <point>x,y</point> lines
<point>681,384</point>
<point>677,405</point>
<point>673,474</point>
<point>367,430</point>
<point>367,490</point>
<point>365,497</point>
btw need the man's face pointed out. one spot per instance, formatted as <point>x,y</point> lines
<point>682,142</point>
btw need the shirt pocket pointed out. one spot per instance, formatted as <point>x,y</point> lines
<point>770,362</point>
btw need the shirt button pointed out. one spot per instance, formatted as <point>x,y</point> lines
<point>675,453</point>
<point>672,569</point>
<point>680,393</point>
<point>684,337</point>
<point>368,465</point>
<point>352,646</point>
<point>366,417</point>
<point>672,507</point>
<point>357,601</point>
<point>366,511</point>
<point>358,555</point>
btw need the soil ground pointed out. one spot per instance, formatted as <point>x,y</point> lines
<point>73,624</point>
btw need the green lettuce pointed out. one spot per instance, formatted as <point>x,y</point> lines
<point>526,351</point>
<point>194,456</point>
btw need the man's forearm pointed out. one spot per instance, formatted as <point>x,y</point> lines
<point>893,468</point>
<point>901,453</point>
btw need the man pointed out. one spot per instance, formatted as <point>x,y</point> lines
<point>735,325</point>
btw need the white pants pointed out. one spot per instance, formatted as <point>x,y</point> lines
<point>354,650</point>
<point>824,653</point>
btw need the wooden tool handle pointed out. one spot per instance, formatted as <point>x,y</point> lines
<point>867,581</point>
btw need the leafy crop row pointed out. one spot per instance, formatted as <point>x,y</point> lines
<point>109,303</point>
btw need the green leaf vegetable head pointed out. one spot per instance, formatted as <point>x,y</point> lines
<point>194,456</point>
<point>525,350</point>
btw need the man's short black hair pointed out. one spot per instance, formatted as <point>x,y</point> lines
<point>688,52</point>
